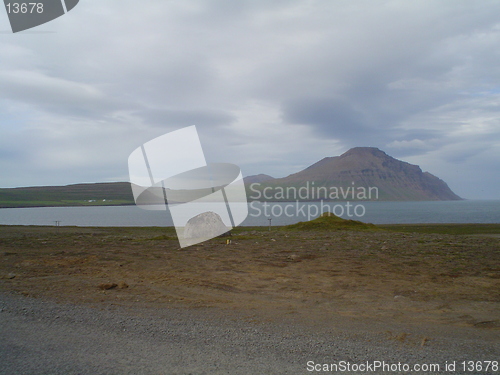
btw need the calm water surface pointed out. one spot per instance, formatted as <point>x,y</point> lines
<point>470,211</point>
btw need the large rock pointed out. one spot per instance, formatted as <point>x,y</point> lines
<point>205,225</point>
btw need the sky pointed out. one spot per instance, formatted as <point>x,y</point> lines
<point>272,86</point>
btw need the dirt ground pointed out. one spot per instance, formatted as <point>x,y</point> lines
<point>315,277</point>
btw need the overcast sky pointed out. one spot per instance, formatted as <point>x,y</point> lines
<point>273,86</point>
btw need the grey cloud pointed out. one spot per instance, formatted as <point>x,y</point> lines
<point>54,94</point>
<point>332,117</point>
<point>178,117</point>
<point>287,81</point>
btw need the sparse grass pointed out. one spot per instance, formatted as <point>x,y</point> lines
<point>457,229</point>
<point>162,238</point>
<point>318,273</point>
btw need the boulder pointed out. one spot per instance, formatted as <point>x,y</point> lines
<point>205,225</point>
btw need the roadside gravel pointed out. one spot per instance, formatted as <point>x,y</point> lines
<point>43,337</point>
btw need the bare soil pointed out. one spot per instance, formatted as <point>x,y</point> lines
<point>317,278</point>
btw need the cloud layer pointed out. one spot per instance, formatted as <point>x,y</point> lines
<point>272,86</point>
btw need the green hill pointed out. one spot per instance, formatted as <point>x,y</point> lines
<point>99,194</point>
<point>328,221</point>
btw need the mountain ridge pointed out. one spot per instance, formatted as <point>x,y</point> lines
<point>396,180</point>
<point>359,167</point>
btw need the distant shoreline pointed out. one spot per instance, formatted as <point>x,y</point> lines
<point>489,229</point>
<point>66,205</point>
<point>13,204</point>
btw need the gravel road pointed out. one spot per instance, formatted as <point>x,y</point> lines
<point>42,337</point>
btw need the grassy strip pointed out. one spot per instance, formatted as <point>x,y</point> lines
<point>62,203</point>
<point>455,229</point>
<point>98,194</point>
<point>444,228</point>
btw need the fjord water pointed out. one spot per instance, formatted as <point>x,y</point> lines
<point>283,213</point>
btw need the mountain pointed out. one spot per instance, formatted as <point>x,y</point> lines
<point>362,173</point>
<point>257,178</point>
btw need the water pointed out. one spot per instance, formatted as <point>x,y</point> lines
<point>470,211</point>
